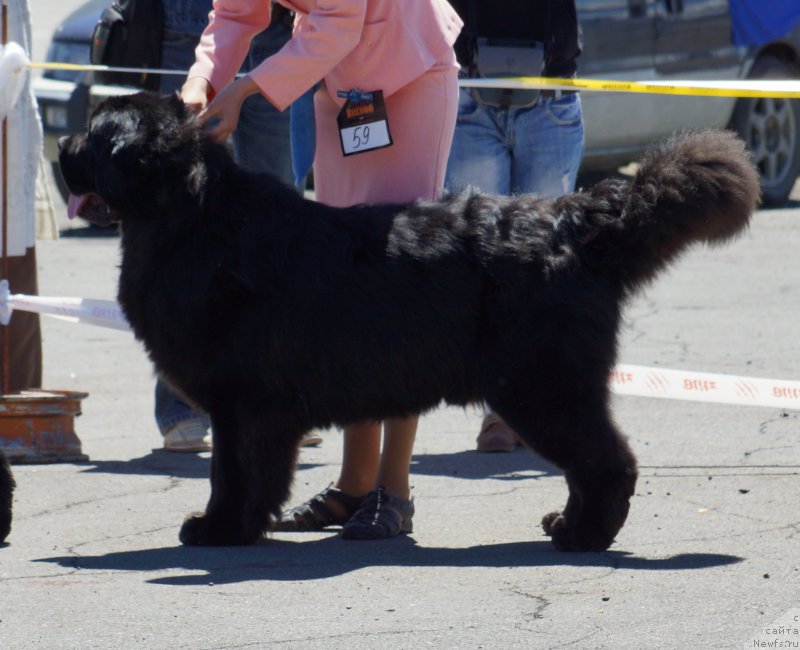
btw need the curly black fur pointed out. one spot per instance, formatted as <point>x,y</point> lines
<point>277,314</point>
<point>6,497</point>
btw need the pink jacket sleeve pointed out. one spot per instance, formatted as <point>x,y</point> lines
<point>367,44</point>
<point>325,36</point>
<point>226,40</point>
<point>320,41</point>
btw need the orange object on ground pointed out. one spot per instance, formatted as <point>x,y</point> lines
<point>37,426</point>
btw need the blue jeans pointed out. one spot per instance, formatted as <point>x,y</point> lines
<point>260,142</point>
<point>303,132</point>
<point>261,139</point>
<point>537,149</point>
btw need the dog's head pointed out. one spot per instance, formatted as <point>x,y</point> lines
<point>136,147</point>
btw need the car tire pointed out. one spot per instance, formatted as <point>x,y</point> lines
<point>771,129</point>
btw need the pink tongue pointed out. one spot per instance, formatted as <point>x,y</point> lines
<point>74,205</point>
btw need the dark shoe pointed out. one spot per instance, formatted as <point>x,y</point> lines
<point>380,516</point>
<point>496,435</point>
<point>317,513</point>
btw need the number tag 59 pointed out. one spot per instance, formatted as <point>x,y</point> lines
<point>363,124</point>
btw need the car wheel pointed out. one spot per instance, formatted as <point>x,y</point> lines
<point>771,129</point>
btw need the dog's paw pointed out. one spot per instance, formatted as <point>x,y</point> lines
<point>566,537</point>
<point>555,525</point>
<point>549,520</point>
<point>201,530</point>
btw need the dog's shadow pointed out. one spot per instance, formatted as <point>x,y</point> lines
<point>282,560</point>
<point>157,462</point>
<point>470,465</point>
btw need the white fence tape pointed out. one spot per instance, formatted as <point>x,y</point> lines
<point>105,313</point>
<point>639,381</point>
<point>13,66</point>
<point>642,381</point>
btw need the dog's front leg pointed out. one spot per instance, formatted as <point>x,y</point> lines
<point>221,524</point>
<point>251,469</point>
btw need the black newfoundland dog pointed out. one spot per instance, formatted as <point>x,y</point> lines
<point>276,314</point>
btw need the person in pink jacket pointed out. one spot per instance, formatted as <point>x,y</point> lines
<point>369,55</point>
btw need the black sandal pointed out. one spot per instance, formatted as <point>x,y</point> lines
<point>380,516</point>
<point>316,513</point>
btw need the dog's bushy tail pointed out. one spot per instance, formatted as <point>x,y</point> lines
<point>695,187</point>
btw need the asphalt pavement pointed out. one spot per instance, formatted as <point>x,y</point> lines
<point>709,557</point>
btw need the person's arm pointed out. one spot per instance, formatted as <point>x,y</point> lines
<point>225,42</point>
<point>321,40</point>
<point>225,107</point>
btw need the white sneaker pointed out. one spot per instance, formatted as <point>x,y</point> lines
<point>311,438</point>
<point>188,436</point>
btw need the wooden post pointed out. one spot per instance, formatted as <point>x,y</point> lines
<point>36,426</point>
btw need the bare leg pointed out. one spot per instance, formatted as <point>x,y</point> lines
<point>388,511</point>
<point>365,467</point>
<point>398,446</point>
<point>360,458</point>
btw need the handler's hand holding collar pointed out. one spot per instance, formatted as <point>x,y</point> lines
<point>225,107</point>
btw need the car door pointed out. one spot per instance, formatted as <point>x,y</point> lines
<point>694,42</point>
<point>618,43</point>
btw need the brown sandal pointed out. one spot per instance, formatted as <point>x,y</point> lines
<point>317,513</point>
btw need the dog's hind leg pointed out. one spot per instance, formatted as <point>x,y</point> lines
<point>251,468</point>
<point>582,440</point>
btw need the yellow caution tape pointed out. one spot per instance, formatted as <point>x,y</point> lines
<point>788,89</point>
<point>82,67</point>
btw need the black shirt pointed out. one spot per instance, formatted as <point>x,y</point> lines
<point>552,22</point>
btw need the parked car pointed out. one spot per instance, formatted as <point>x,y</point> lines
<point>631,40</point>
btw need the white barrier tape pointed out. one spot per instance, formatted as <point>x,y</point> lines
<point>13,62</point>
<point>105,313</point>
<point>663,383</point>
<point>639,381</point>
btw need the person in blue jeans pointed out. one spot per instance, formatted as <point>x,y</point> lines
<point>516,141</point>
<point>261,143</point>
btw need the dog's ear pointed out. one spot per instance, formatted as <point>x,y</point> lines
<point>156,136</point>
<point>149,142</point>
